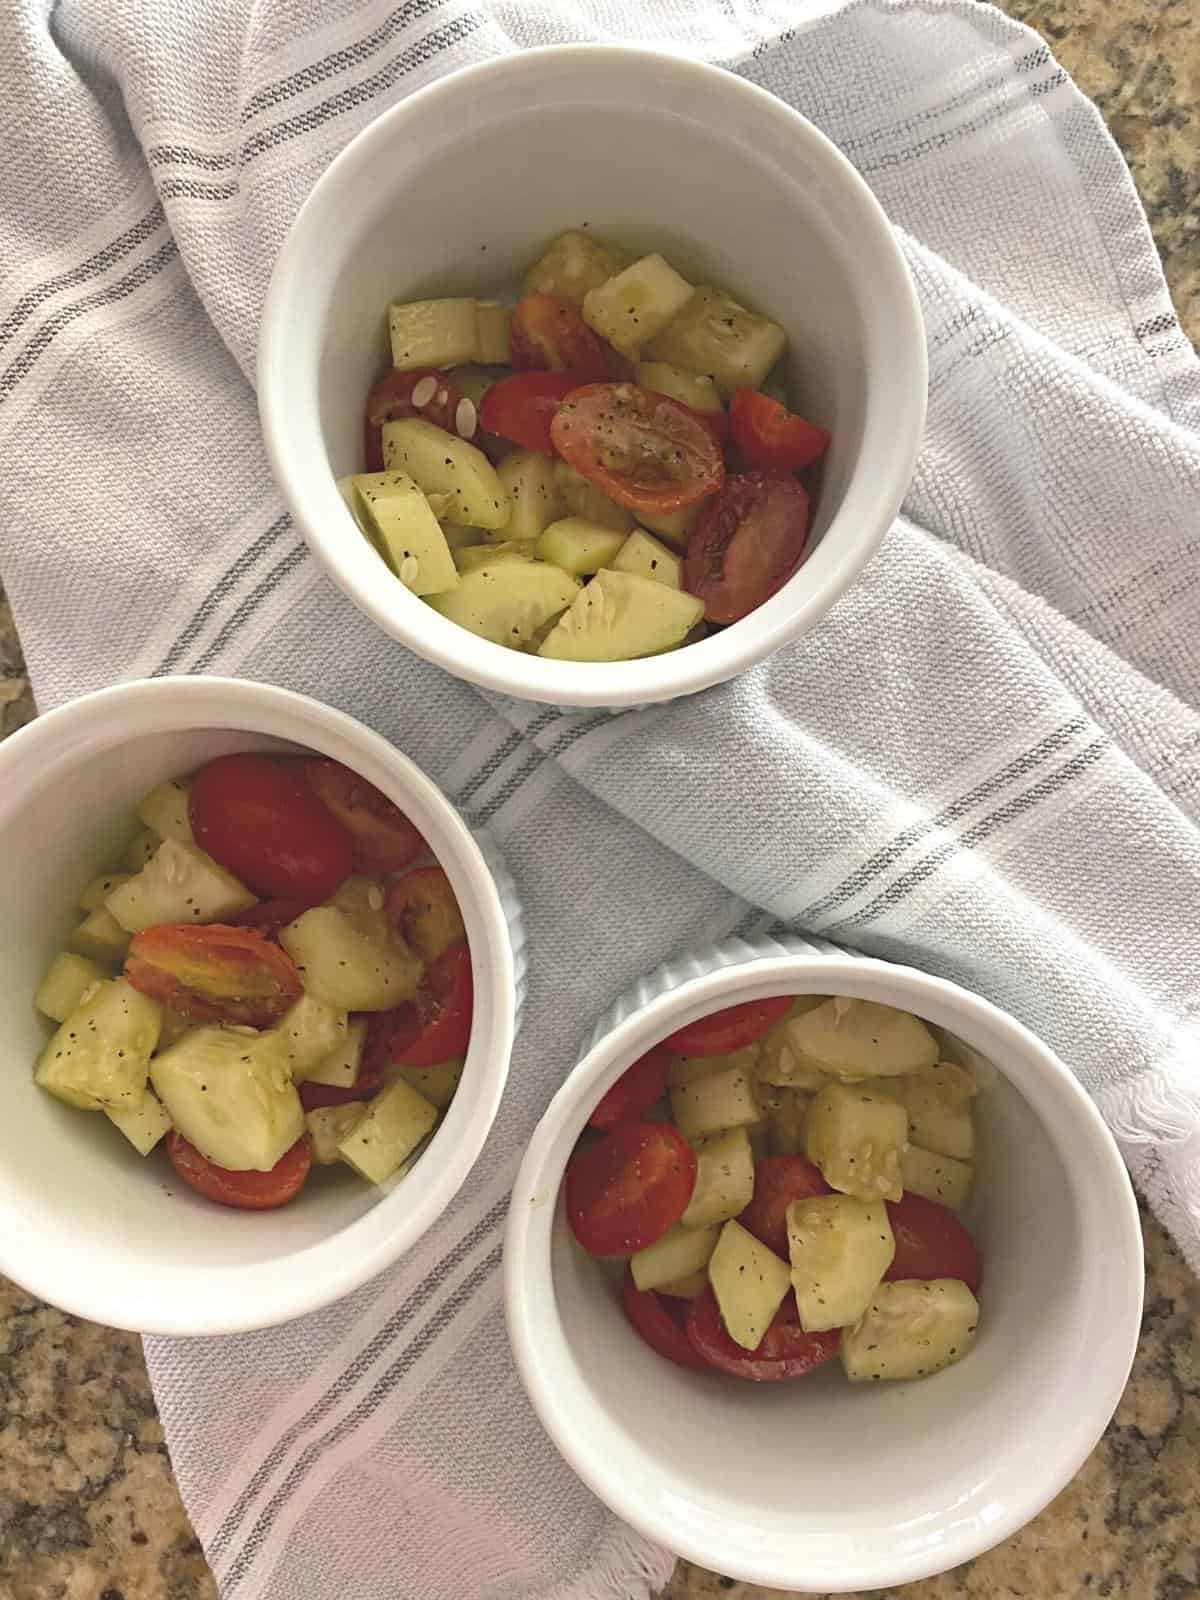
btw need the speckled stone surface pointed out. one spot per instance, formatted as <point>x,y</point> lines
<point>88,1507</point>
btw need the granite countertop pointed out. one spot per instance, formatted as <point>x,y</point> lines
<point>88,1506</point>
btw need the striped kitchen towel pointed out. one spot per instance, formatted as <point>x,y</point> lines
<point>986,761</point>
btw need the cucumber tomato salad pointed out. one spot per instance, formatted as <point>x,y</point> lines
<point>276,975</point>
<point>781,1181</point>
<point>606,470</point>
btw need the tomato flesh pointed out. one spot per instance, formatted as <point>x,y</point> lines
<point>382,839</point>
<point>258,818</point>
<point>436,1026</point>
<point>423,909</point>
<point>654,1317</point>
<point>624,1190</point>
<point>778,1180</point>
<point>635,1091</point>
<point>392,398</point>
<point>642,449</point>
<point>521,408</point>
<point>931,1243</point>
<point>746,544</point>
<point>550,334</point>
<point>770,436</point>
<point>214,973</point>
<point>731,1029</point>
<point>785,1350</point>
<point>245,1191</point>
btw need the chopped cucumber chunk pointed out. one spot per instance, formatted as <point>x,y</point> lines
<point>435,1084</point>
<point>101,937</point>
<point>856,1139</point>
<point>938,1103</point>
<point>99,889</point>
<point>406,531</point>
<point>781,1062</point>
<point>787,1114</point>
<point>936,1177</point>
<point>685,1288</point>
<point>340,1068</point>
<point>229,1092</point>
<point>179,884</point>
<point>749,1282</point>
<point>578,546</point>
<point>528,478</point>
<point>143,1124</point>
<point>174,1026</point>
<point>328,1126</point>
<point>632,307</point>
<point>457,536</point>
<point>491,333</point>
<point>508,602</point>
<point>582,499</point>
<point>690,1069</point>
<point>619,616</point>
<point>689,387</point>
<point>309,1032</point>
<point>911,1329</point>
<point>474,381</point>
<point>726,1100</point>
<point>432,333</point>
<point>472,556</point>
<point>140,850</point>
<point>342,966</point>
<point>362,897</point>
<point>724,1179</point>
<point>442,464</point>
<point>165,810</point>
<point>854,1039</point>
<point>395,1123</point>
<point>679,1252</point>
<point>575,263</point>
<point>646,557</point>
<point>715,336</point>
<point>674,526</point>
<point>67,979</point>
<point>345,487</point>
<point>840,1249</point>
<point>100,1055</point>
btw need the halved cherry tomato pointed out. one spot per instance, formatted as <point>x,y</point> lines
<point>778,1180</point>
<point>635,1091</point>
<point>660,1321</point>
<point>550,335</point>
<point>642,449</point>
<point>392,398</point>
<point>717,422</point>
<point>746,543</point>
<point>772,437</point>
<point>521,408</point>
<point>259,819</point>
<point>785,1350</point>
<point>624,1190</point>
<point>268,916</point>
<point>214,973</point>
<point>422,907</point>
<point>246,1191</point>
<point>436,1026</point>
<point>382,838</point>
<point>731,1029</point>
<point>931,1243</point>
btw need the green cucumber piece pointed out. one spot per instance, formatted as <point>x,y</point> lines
<point>140,850</point>
<point>674,526</point>
<point>637,303</point>
<point>341,965</point>
<point>787,1113</point>
<point>679,1252</point>
<point>938,1102</point>
<point>406,532</point>
<point>340,1067</point>
<point>619,617</point>
<point>646,557</point>
<point>362,897</point>
<point>165,810</point>
<point>690,1069</point>
<point>99,889</point>
<point>578,546</point>
<point>530,481</point>
<point>101,937</point>
<point>855,1039</point>
<point>508,601</point>
<point>724,1179</point>
<point>911,1329</point>
<point>472,556</point>
<point>229,1092</point>
<point>143,1124</point>
<point>309,1032</point>
<point>574,263</point>
<point>491,333</point>
<point>749,1282</point>
<point>179,884</point>
<point>725,1100</point>
<point>432,333</point>
<point>442,464</point>
<point>395,1123</point>
<point>840,1249</point>
<point>437,1084</point>
<point>582,499</point>
<point>782,1062</point>
<point>937,1177</point>
<point>328,1126</point>
<point>717,337</point>
<point>64,984</point>
<point>100,1055</point>
<point>856,1139</point>
<point>685,1288</point>
<point>688,387</point>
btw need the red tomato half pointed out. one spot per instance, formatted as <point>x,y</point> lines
<point>772,437</point>
<point>422,907</point>
<point>661,1324</point>
<point>626,1189</point>
<point>731,1029</point>
<point>931,1243</point>
<point>521,408</point>
<point>746,544</point>
<point>214,973</point>
<point>392,398</point>
<point>550,335</point>
<point>778,1180</point>
<point>785,1351</point>
<point>642,449</point>
<point>382,838</point>
<point>245,1191</point>
<point>258,818</point>
<point>268,916</point>
<point>635,1091</point>
<point>436,1026</point>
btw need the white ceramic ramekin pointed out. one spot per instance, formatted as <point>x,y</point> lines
<point>83,1221</point>
<point>820,1485</point>
<point>455,189</point>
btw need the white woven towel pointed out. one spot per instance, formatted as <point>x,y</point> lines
<point>986,761</point>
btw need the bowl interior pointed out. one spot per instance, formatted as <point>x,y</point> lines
<point>825,1485</point>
